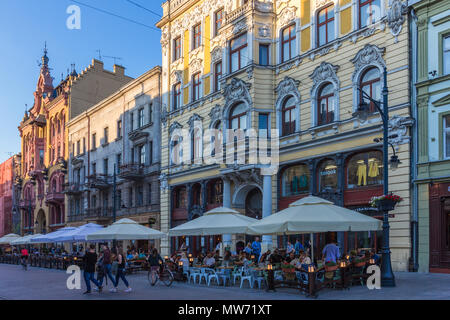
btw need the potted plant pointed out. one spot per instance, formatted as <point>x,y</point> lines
<point>330,266</point>
<point>288,271</point>
<point>385,202</point>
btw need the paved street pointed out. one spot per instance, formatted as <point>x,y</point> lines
<point>40,283</point>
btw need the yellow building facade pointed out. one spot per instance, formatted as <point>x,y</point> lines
<point>295,67</point>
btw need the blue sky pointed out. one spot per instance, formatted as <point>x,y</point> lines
<point>26,25</point>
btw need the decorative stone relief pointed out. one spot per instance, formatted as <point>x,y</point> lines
<point>244,177</point>
<point>164,115</point>
<point>176,76</point>
<point>163,182</point>
<point>321,3</point>
<point>287,15</point>
<point>215,114</point>
<point>287,86</point>
<point>398,129</point>
<point>264,31</point>
<point>369,55</point>
<point>236,91</point>
<point>216,54</point>
<point>326,71</point>
<point>396,17</point>
<point>193,119</point>
<point>165,38</point>
<point>196,65</point>
<point>289,66</point>
<point>174,126</point>
<point>240,26</point>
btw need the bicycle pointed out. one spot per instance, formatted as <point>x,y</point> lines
<point>163,274</point>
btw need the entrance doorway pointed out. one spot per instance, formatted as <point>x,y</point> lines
<point>40,222</point>
<point>253,208</point>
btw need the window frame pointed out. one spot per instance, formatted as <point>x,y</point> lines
<point>237,116</point>
<point>176,96</point>
<point>291,110</point>
<point>267,47</point>
<point>141,118</point>
<point>444,131</point>
<point>196,36</point>
<point>217,75</point>
<point>326,24</point>
<point>216,27</point>
<point>370,83</point>
<point>288,41</point>
<point>320,97</point>
<point>361,4</point>
<point>238,51</point>
<point>177,48</point>
<point>196,86</point>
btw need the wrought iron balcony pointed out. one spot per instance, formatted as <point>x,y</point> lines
<point>99,181</point>
<point>73,189</point>
<point>99,212</point>
<point>54,197</point>
<point>132,171</point>
<point>25,204</point>
<point>75,217</point>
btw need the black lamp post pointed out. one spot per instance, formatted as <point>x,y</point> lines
<point>114,201</point>
<point>387,276</point>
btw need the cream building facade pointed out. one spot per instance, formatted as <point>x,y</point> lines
<point>294,67</point>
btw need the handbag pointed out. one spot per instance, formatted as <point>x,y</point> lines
<point>114,267</point>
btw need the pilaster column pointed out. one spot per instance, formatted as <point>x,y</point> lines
<point>267,209</point>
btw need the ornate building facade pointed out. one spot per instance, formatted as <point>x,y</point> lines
<point>295,67</point>
<point>430,30</point>
<point>44,139</point>
<point>9,171</point>
<point>122,133</point>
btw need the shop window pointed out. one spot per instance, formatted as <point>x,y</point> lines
<point>327,176</point>
<point>295,180</point>
<point>365,169</point>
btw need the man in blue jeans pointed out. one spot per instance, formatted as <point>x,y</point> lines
<point>107,264</point>
<point>90,259</point>
<point>256,249</point>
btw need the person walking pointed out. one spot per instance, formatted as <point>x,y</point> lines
<point>256,249</point>
<point>107,260</point>
<point>24,257</point>
<point>90,260</point>
<point>155,261</point>
<point>121,260</point>
<point>330,252</point>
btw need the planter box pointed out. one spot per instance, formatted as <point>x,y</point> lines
<point>386,205</point>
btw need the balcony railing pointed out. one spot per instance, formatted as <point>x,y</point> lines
<point>105,212</point>
<point>99,181</point>
<point>73,189</point>
<point>54,197</point>
<point>25,204</point>
<point>132,171</point>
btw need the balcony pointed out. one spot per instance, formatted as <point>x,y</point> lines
<point>25,204</point>
<point>133,171</point>
<point>99,181</point>
<point>54,197</point>
<point>73,189</point>
<point>75,217</point>
<point>98,213</point>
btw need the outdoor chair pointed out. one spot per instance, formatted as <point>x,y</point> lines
<point>237,274</point>
<point>302,276</point>
<point>258,277</point>
<point>212,275</point>
<point>186,271</point>
<point>246,275</point>
<point>203,275</point>
<point>194,273</point>
<point>225,275</point>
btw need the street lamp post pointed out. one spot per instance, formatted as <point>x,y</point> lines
<point>387,276</point>
<point>114,201</point>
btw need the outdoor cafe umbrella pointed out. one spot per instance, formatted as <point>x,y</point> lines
<point>312,215</point>
<point>78,234</point>
<point>24,240</point>
<point>219,220</point>
<point>50,237</point>
<point>125,229</point>
<point>8,238</point>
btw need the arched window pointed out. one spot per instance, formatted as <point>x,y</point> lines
<point>175,150</point>
<point>325,25</point>
<point>196,143</point>
<point>327,175</point>
<point>176,96</point>
<point>369,12</point>
<point>216,138</point>
<point>365,169</point>
<point>370,83</point>
<point>326,105</point>
<point>289,116</point>
<point>238,117</point>
<point>295,180</point>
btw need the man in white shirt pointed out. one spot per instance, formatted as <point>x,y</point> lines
<point>209,260</point>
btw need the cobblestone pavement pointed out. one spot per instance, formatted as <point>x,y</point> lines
<point>48,284</point>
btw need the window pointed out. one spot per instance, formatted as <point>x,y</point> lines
<point>105,135</point>
<point>326,105</point>
<point>78,147</point>
<point>105,166</point>
<point>180,198</point>
<point>263,124</point>
<point>177,48</point>
<point>365,169</point>
<point>41,157</point>
<point>288,43</point>
<point>131,121</point>
<point>176,96</point>
<point>149,195</point>
<point>94,201</point>
<point>119,199</point>
<point>132,155</point>
<point>197,36</point>
<point>325,25</point>
<point>119,129</point>
<point>263,54</point>
<point>218,21</point>
<point>196,141</point>
<point>84,145</point>
<point>215,195</point>
<point>141,154</point>
<point>94,168</point>
<point>369,12</point>
<point>141,118</point>
<point>238,117</point>
<point>118,162</point>
<point>446,54</point>
<point>196,82</point>
<point>150,151</point>
<point>130,197</point>
<point>289,117</point>
<point>140,196</point>
<point>217,75</point>
<point>94,141</point>
<point>295,180</point>
<point>238,52</point>
<point>327,176</point>
<point>371,85</point>
<point>175,152</point>
<point>447,136</point>
<point>150,113</point>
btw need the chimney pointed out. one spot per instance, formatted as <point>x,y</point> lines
<point>97,64</point>
<point>119,70</point>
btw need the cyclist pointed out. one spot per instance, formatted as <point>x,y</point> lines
<point>24,257</point>
<point>155,261</point>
